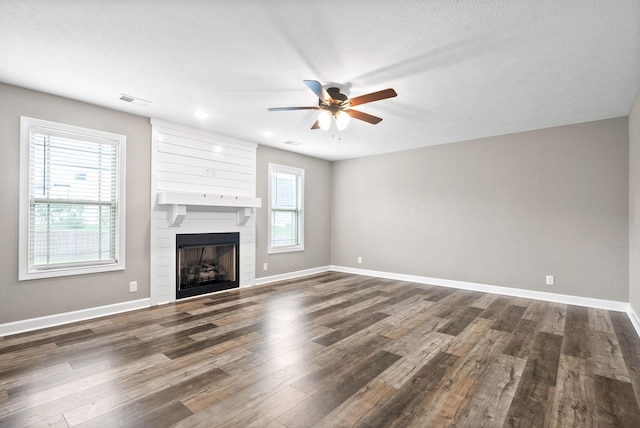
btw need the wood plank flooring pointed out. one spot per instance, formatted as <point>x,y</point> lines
<point>330,350</point>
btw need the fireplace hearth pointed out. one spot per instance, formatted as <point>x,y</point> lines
<point>206,262</point>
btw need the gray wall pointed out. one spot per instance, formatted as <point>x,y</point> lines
<point>634,206</point>
<point>30,299</point>
<point>317,214</point>
<point>503,211</point>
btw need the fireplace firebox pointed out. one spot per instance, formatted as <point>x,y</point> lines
<point>206,262</point>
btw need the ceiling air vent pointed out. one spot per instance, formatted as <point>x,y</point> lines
<point>134,100</point>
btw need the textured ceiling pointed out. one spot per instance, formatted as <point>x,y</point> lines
<point>462,69</point>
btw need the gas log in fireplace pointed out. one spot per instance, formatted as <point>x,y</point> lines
<point>206,262</point>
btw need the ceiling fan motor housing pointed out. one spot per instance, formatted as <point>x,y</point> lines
<point>336,95</point>
<point>338,101</point>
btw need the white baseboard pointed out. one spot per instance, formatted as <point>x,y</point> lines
<point>85,314</point>
<point>611,305</point>
<point>291,275</point>
<point>633,317</point>
<point>69,317</point>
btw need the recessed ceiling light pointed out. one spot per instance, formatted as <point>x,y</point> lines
<point>268,133</point>
<point>201,114</point>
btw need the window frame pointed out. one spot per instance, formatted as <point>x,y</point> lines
<point>274,168</point>
<point>25,272</point>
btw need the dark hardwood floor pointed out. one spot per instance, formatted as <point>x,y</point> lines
<point>331,350</point>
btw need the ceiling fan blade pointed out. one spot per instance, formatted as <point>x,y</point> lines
<point>293,108</point>
<point>317,89</point>
<point>373,96</point>
<point>316,125</point>
<point>364,116</point>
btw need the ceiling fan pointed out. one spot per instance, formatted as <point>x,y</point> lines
<point>334,104</point>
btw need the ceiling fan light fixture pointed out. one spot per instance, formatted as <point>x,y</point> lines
<point>324,120</point>
<point>342,120</point>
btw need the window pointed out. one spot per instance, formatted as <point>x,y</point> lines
<point>71,200</point>
<point>286,220</point>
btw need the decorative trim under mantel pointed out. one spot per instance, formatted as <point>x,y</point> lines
<point>179,201</point>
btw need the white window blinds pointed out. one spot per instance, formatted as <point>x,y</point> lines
<point>286,197</point>
<point>74,198</point>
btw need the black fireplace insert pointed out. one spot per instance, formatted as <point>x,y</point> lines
<point>207,262</point>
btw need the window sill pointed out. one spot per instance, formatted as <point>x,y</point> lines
<point>70,271</point>
<point>285,249</point>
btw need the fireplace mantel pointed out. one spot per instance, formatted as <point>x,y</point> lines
<point>179,201</point>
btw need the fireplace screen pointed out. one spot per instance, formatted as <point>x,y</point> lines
<point>206,262</point>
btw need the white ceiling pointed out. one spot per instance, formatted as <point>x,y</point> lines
<point>462,69</point>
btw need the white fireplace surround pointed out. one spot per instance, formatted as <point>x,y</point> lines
<point>200,183</point>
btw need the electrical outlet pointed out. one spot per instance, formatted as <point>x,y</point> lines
<point>133,286</point>
<point>550,280</point>
<point>359,259</point>
<point>265,266</point>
